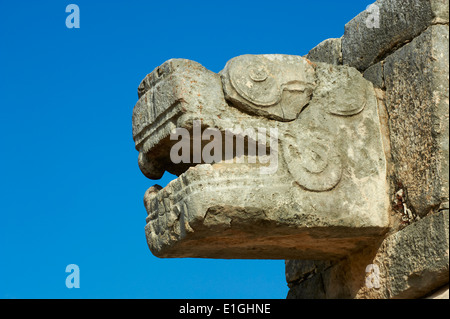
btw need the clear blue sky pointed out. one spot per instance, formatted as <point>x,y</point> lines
<point>71,190</point>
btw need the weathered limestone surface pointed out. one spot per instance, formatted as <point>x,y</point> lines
<point>298,271</point>
<point>375,75</point>
<point>417,100</point>
<point>399,22</point>
<point>165,94</point>
<point>327,196</point>
<point>411,262</point>
<point>328,51</point>
<point>273,86</point>
<point>419,253</point>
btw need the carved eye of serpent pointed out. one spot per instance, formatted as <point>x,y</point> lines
<point>255,81</point>
<point>313,162</point>
<point>258,73</point>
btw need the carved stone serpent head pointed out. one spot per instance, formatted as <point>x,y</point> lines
<point>328,194</point>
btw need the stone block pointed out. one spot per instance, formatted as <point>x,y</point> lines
<point>375,75</point>
<point>327,51</point>
<point>417,100</point>
<point>298,271</point>
<point>415,260</point>
<point>409,263</point>
<point>388,24</point>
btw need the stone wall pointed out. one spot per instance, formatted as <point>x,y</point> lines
<point>402,48</point>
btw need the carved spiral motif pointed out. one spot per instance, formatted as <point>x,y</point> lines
<point>314,162</point>
<point>258,73</point>
<point>255,81</point>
